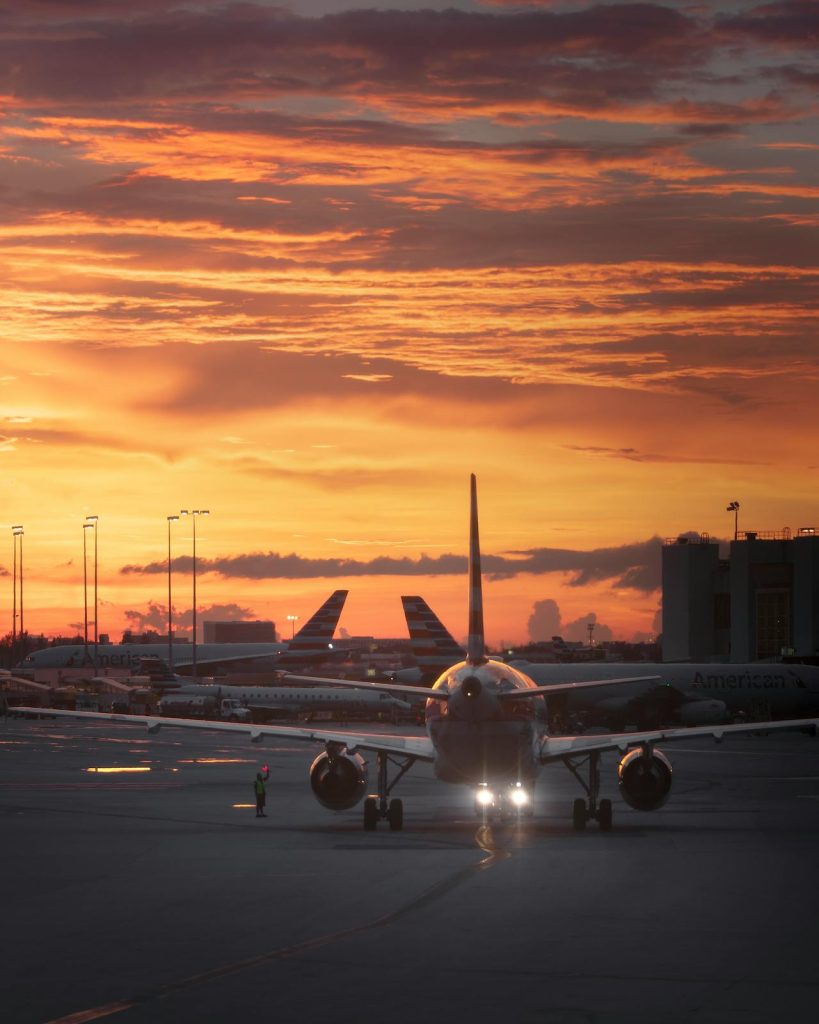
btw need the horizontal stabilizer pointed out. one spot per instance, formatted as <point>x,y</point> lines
<point>533,691</point>
<point>398,688</point>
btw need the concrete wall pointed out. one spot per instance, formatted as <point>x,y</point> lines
<point>690,573</point>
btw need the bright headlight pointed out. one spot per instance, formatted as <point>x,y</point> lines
<point>484,796</point>
<point>519,797</point>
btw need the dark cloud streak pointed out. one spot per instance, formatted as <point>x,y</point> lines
<point>631,566</point>
<point>789,23</point>
<point>131,53</point>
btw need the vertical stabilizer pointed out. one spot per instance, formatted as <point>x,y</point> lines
<point>475,645</point>
<point>319,629</point>
<point>433,646</point>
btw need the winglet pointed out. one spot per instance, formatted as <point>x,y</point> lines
<point>475,652</point>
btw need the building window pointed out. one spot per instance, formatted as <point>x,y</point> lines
<point>773,622</point>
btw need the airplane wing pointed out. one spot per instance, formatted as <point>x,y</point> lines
<point>554,748</point>
<point>230,658</point>
<point>419,747</point>
<point>280,658</point>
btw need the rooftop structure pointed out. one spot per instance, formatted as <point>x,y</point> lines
<point>239,631</point>
<point>761,603</point>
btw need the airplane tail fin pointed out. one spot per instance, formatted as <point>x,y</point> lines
<point>318,631</point>
<point>475,647</point>
<point>433,646</point>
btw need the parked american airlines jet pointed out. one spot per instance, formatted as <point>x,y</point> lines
<point>695,693</point>
<point>292,700</point>
<point>685,694</point>
<point>313,642</point>
<point>486,729</point>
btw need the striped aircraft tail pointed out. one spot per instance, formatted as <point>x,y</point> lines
<point>433,646</point>
<point>318,631</point>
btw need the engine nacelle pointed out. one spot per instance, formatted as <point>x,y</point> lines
<point>645,779</point>
<point>339,780</point>
<point>703,712</point>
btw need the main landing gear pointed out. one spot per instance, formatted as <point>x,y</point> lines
<point>595,810</point>
<point>378,806</point>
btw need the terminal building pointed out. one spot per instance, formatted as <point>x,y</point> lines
<point>759,604</point>
<point>239,631</point>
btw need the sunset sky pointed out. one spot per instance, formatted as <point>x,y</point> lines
<point>308,265</point>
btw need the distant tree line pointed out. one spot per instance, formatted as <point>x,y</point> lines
<point>14,649</point>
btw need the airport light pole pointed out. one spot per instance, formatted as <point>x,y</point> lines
<point>734,507</point>
<point>93,521</point>
<point>20,535</point>
<point>85,528</point>
<point>171,519</point>
<point>17,532</point>
<point>292,619</point>
<point>193,513</point>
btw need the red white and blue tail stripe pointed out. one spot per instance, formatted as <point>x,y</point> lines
<point>433,646</point>
<point>318,631</point>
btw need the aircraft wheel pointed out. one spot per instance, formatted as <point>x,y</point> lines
<point>395,815</point>
<point>579,814</point>
<point>370,813</point>
<point>604,815</point>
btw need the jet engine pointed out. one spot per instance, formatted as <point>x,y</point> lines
<point>645,779</point>
<point>338,779</point>
<point>703,712</point>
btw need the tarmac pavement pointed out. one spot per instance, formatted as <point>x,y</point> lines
<point>157,896</point>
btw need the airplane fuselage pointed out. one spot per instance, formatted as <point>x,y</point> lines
<point>784,689</point>
<point>300,698</point>
<point>480,737</point>
<point>129,656</point>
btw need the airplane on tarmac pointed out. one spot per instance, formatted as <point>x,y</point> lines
<point>292,700</point>
<point>692,693</point>
<point>703,693</point>
<point>486,728</point>
<point>313,642</point>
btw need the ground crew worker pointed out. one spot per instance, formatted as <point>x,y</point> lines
<point>259,786</point>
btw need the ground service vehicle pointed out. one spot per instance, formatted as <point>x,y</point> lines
<point>228,709</point>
